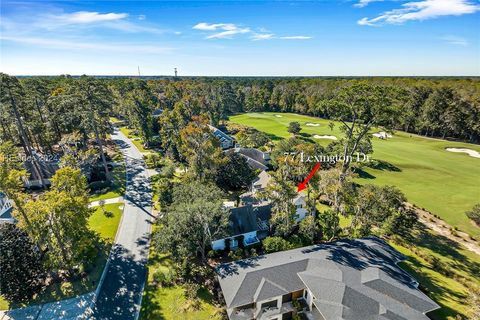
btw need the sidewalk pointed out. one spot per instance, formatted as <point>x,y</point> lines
<point>106,201</point>
<point>69,309</point>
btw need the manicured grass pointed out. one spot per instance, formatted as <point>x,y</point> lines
<point>442,182</point>
<point>168,302</point>
<point>450,291</point>
<point>106,227</point>
<point>135,139</point>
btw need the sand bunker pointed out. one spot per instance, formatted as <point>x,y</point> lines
<point>316,136</point>
<point>382,135</point>
<point>278,116</point>
<point>312,124</point>
<point>470,152</point>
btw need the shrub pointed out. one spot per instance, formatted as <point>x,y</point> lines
<point>474,214</point>
<point>163,278</point>
<point>99,185</point>
<point>275,244</point>
<point>236,254</point>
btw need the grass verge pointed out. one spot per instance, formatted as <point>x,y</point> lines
<point>168,302</point>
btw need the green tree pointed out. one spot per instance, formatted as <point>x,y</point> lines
<point>201,150</point>
<point>309,229</point>
<point>13,98</point>
<point>91,101</point>
<point>61,217</point>
<point>382,207</point>
<point>281,192</point>
<point>294,128</point>
<point>195,218</point>
<point>11,182</point>
<point>329,224</point>
<point>141,103</point>
<point>275,244</point>
<point>360,107</point>
<point>235,174</point>
<point>22,271</point>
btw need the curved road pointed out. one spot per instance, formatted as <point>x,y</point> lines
<point>119,293</point>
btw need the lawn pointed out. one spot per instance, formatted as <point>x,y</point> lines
<point>167,302</point>
<point>106,224</point>
<point>448,290</point>
<point>137,141</point>
<point>106,227</point>
<point>442,182</point>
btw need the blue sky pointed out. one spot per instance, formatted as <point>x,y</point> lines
<point>317,38</point>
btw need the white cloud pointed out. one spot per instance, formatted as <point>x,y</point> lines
<point>423,10</point>
<point>229,29</point>
<point>458,41</point>
<point>295,37</point>
<point>85,17</point>
<point>262,36</point>
<point>214,26</point>
<point>78,45</point>
<point>364,3</point>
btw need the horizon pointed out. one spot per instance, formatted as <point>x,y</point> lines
<point>350,38</point>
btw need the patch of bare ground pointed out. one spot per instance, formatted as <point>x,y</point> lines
<point>441,227</point>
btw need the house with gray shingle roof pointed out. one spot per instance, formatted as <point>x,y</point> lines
<point>247,226</point>
<point>344,280</point>
<point>226,141</point>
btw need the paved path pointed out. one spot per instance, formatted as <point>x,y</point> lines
<point>105,201</point>
<point>119,292</point>
<point>68,309</point>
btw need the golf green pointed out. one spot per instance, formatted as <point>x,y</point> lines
<point>445,183</point>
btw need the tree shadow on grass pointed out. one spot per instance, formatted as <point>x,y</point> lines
<point>151,308</point>
<point>443,246</point>
<point>362,174</point>
<point>433,288</point>
<point>382,165</point>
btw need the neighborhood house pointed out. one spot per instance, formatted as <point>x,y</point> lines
<point>6,208</point>
<point>348,279</point>
<point>249,223</point>
<point>226,142</point>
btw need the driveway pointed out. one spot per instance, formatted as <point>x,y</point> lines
<point>119,293</point>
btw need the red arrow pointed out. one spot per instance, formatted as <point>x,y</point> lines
<point>303,184</point>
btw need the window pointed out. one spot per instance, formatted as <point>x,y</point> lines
<point>270,304</point>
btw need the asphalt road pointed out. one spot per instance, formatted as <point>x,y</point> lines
<point>119,292</point>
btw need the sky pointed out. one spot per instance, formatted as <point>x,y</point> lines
<point>248,38</point>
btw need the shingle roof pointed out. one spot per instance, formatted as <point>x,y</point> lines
<point>350,279</point>
<point>222,136</point>
<point>245,219</point>
<point>254,154</point>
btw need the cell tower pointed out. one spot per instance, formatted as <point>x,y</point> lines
<point>175,72</point>
<point>138,70</point>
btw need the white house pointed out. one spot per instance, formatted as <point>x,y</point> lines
<point>301,206</point>
<point>6,208</point>
<point>260,184</point>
